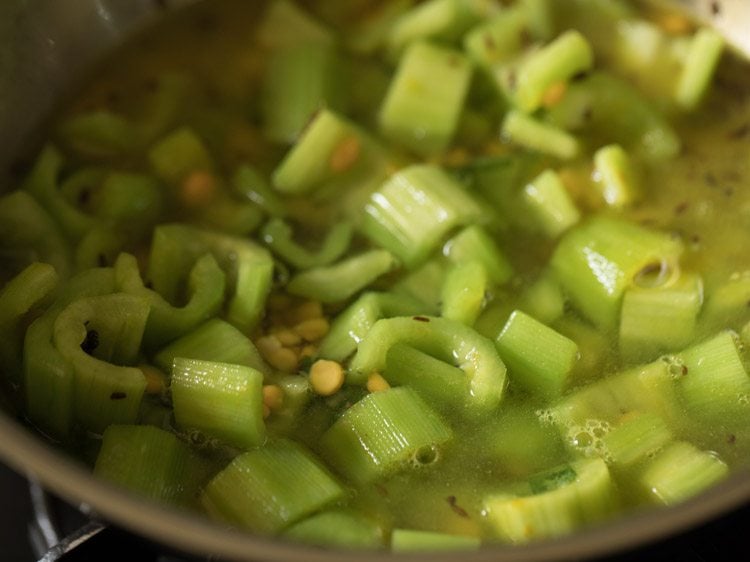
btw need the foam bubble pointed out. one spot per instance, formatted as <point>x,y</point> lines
<point>588,438</point>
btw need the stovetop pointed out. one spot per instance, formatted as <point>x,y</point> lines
<point>719,540</point>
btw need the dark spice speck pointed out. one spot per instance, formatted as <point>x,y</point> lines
<point>457,509</point>
<point>90,342</point>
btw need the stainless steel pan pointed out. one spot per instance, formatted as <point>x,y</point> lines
<point>45,46</point>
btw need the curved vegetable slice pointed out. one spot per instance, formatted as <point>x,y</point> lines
<point>48,376</point>
<point>270,488</point>
<point>29,234</point>
<point>352,325</point>
<point>249,268</point>
<point>166,322</point>
<point>341,280</point>
<point>444,339</point>
<point>278,235</point>
<point>42,183</point>
<point>100,134</point>
<point>24,292</point>
<point>561,501</point>
<point>97,335</point>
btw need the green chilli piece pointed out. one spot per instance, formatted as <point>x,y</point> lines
<point>277,234</point>
<point>424,101</point>
<point>463,292</point>
<point>100,134</point>
<point>698,69</point>
<point>615,176</point>
<point>339,528</point>
<point>660,319</point>
<point>599,259</point>
<point>351,325</point>
<point>24,293</point>
<point>441,20</point>
<point>678,472</point>
<point>412,540</point>
<point>383,433</point>
<point>539,359</point>
<point>147,460</point>
<point>43,184</point>
<point>29,234</point>
<point>539,136</point>
<point>177,154</point>
<point>582,494</point>
<point>100,246</point>
<point>205,289</point>
<point>444,339</point>
<point>48,375</point>
<point>231,215</point>
<point>413,211</point>
<point>248,183</point>
<point>473,243</point>
<point>338,282</point>
<point>99,336</point>
<point>548,205</point>
<point>569,54</point>
<point>222,400</point>
<point>249,268</point>
<point>716,385</point>
<point>215,340</point>
<point>270,488</point>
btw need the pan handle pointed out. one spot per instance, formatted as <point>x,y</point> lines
<point>93,540</point>
<point>67,549</point>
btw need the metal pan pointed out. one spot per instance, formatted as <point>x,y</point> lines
<point>45,46</point>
